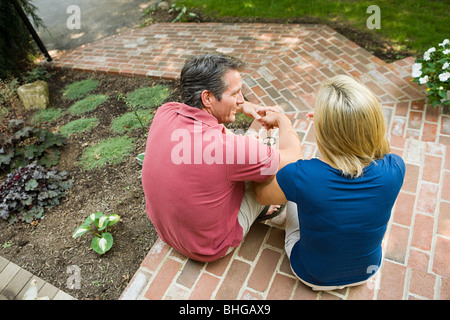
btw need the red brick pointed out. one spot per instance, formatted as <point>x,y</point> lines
<point>423,232</point>
<point>411,178</point>
<point>250,295</point>
<point>397,244</point>
<point>234,278</point>
<point>303,292</point>
<point>415,120</point>
<point>441,262</point>
<point>263,270</point>
<point>218,267</point>
<point>432,169</point>
<point>281,288</point>
<point>404,209</point>
<point>276,238</point>
<point>204,287</point>
<point>155,255</point>
<point>446,190</point>
<point>191,271</point>
<point>445,289</point>
<point>418,260</point>
<point>427,197</point>
<point>253,241</point>
<point>444,219</point>
<point>162,280</point>
<point>392,281</point>
<point>429,132</point>
<point>422,283</point>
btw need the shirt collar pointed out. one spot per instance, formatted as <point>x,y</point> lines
<point>197,114</point>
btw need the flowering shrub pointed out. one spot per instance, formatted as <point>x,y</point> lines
<point>433,69</point>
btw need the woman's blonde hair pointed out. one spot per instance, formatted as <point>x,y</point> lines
<point>350,125</point>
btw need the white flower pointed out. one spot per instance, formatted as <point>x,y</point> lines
<point>445,66</point>
<point>441,88</point>
<point>423,80</point>
<point>444,76</point>
<point>416,70</point>
<point>426,55</point>
<point>444,42</point>
<point>446,51</point>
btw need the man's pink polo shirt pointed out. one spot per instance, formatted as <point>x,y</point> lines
<point>194,179</point>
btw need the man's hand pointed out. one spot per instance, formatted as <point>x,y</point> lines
<point>256,112</point>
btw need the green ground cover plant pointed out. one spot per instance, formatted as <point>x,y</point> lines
<point>107,151</point>
<point>88,104</point>
<point>130,121</point>
<point>148,97</point>
<point>78,126</point>
<point>46,115</point>
<point>79,89</point>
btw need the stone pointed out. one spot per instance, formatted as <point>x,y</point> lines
<point>163,5</point>
<point>34,95</point>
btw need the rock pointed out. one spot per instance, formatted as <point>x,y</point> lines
<point>163,5</point>
<point>34,95</point>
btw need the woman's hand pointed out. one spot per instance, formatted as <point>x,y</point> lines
<point>256,112</point>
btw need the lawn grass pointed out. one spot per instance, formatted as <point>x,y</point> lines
<point>406,25</point>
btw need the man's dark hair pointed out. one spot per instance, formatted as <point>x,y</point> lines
<point>205,72</point>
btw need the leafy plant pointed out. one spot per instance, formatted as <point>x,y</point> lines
<point>88,104</point>
<point>78,126</point>
<point>103,240</point>
<point>20,145</point>
<point>182,12</point>
<point>79,89</point>
<point>37,73</point>
<point>29,190</point>
<point>107,151</point>
<point>433,69</point>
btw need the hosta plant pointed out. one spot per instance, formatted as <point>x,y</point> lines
<point>433,69</point>
<point>28,191</point>
<point>102,240</point>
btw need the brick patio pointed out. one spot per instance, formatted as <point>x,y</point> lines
<point>286,64</point>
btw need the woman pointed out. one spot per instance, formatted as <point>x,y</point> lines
<point>339,204</point>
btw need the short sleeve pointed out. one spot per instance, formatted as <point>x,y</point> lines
<point>248,159</point>
<point>286,181</point>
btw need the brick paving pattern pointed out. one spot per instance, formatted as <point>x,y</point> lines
<point>286,64</point>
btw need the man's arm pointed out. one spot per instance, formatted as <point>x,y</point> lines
<point>289,147</point>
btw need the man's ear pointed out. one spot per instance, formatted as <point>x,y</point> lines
<point>208,98</point>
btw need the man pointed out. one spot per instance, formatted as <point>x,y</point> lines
<point>195,171</point>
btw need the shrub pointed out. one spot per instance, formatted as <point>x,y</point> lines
<point>78,126</point>
<point>433,69</point>
<point>148,97</point>
<point>108,151</point>
<point>21,145</point>
<point>130,121</point>
<point>79,89</point>
<point>29,191</point>
<point>88,104</point>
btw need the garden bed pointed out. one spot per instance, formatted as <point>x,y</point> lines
<point>46,248</point>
